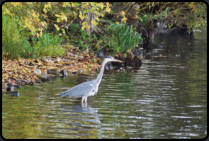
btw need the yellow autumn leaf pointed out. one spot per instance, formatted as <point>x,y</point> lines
<point>73,4</point>
<point>84,23</point>
<point>41,32</point>
<point>5,75</point>
<point>33,13</point>
<point>122,13</point>
<point>81,16</point>
<point>64,4</point>
<point>47,5</point>
<point>108,9</point>
<point>94,22</point>
<point>15,75</point>
<point>24,71</point>
<point>85,67</point>
<point>57,27</point>
<point>63,17</point>
<point>57,15</point>
<point>45,16</point>
<point>6,11</point>
<point>101,5</point>
<point>44,24</point>
<point>74,13</point>
<point>44,10</point>
<point>124,19</point>
<point>58,20</point>
<point>82,27</point>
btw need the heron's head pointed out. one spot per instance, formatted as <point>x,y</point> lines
<point>111,59</point>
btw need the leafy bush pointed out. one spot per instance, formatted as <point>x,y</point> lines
<point>50,50</point>
<point>73,28</point>
<point>48,39</point>
<point>122,37</point>
<point>48,45</point>
<point>13,44</point>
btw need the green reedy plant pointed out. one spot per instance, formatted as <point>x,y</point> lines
<point>122,37</point>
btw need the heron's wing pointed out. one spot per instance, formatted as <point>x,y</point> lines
<point>80,90</point>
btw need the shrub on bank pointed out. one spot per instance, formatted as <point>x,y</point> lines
<point>48,45</point>
<point>122,37</point>
<point>15,42</point>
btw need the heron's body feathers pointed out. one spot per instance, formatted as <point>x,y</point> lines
<point>83,89</point>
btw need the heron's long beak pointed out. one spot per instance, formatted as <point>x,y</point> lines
<point>117,60</point>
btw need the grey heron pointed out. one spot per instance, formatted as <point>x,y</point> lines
<point>88,88</point>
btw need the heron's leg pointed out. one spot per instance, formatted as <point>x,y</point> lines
<point>86,99</point>
<point>82,99</point>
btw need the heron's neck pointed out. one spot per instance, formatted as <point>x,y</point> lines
<point>99,77</point>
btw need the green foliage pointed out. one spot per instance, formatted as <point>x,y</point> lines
<point>34,16</point>
<point>74,27</point>
<point>49,50</point>
<point>192,14</point>
<point>13,44</point>
<point>198,17</point>
<point>85,41</point>
<point>48,45</point>
<point>48,39</point>
<point>122,37</point>
<point>143,20</point>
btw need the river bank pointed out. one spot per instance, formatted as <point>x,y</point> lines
<point>20,72</point>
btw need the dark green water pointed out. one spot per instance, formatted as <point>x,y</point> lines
<point>165,98</point>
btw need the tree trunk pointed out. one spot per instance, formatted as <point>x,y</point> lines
<point>94,28</point>
<point>91,16</point>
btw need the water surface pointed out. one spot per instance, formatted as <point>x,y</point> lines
<point>165,98</point>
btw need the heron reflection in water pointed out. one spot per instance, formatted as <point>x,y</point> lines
<point>88,88</point>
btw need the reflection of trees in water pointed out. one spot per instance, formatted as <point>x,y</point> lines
<point>171,43</point>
